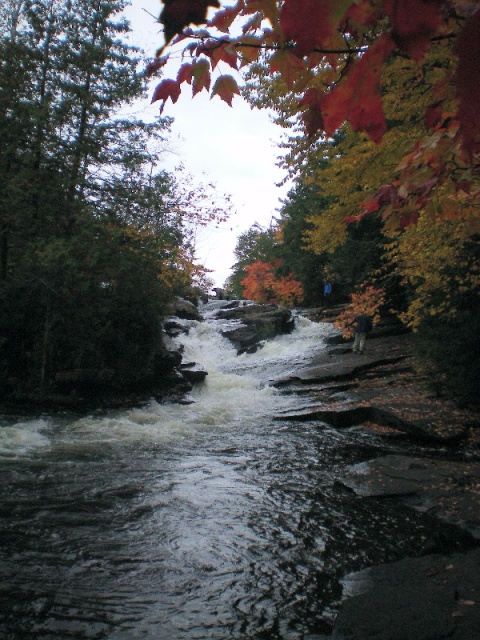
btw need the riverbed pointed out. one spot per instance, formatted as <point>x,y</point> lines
<point>192,521</point>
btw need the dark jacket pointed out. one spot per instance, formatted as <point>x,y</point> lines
<point>363,324</point>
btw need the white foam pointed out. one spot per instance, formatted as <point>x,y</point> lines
<point>235,392</point>
<point>23,437</point>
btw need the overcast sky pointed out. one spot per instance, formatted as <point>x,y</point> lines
<point>232,147</point>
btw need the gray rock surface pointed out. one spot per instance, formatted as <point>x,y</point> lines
<point>431,598</point>
<point>447,489</point>
<point>257,322</point>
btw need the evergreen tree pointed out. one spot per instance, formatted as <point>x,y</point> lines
<point>308,267</point>
<point>93,243</point>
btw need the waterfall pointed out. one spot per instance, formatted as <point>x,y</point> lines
<point>236,390</point>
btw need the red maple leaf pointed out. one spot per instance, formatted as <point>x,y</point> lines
<point>200,76</point>
<point>364,12</point>
<point>287,64</point>
<point>166,89</point>
<point>185,73</point>
<point>407,218</point>
<point>357,97</point>
<point>223,52</point>
<point>226,87</point>
<point>433,114</point>
<point>312,117</point>
<point>178,14</point>
<point>310,23</point>
<point>468,84</point>
<point>413,24</point>
<point>224,18</point>
<point>156,64</point>
<point>386,194</point>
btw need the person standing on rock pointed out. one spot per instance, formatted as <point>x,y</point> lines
<point>327,290</point>
<point>363,326</point>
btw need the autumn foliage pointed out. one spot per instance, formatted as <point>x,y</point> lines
<point>349,41</point>
<point>387,96</point>
<point>331,54</point>
<point>369,301</point>
<point>261,284</point>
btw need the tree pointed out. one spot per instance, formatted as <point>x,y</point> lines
<point>94,242</point>
<point>263,284</point>
<point>257,244</point>
<point>307,267</point>
<point>398,80</point>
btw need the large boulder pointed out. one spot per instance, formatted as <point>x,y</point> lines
<point>258,322</point>
<point>168,356</point>
<point>185,309</point>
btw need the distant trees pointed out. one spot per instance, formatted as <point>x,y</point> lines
<point>94,239</point>
<point>280,258</point>
<point>257,244</point>
<point>260,272</point>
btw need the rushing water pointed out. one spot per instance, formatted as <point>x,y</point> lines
<point>201,521</point>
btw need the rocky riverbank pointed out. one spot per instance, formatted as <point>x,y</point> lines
<point>430,597</point>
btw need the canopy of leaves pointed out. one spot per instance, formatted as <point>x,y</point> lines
<point>332,54</point>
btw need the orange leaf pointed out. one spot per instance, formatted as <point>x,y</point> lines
<point>224,53</point>
<point>200,76</point>
<point>248,47</point>
<point>225,86</point>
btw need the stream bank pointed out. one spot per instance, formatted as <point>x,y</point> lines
<point>423,598</point>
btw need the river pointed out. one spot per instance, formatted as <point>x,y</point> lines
<point>196,521</point>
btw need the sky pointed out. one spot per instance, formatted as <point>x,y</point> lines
<point>233,147</point>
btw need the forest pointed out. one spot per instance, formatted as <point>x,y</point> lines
<point>95,237</point>
<point>379,105</point>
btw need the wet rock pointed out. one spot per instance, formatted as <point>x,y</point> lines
<point>173,327</point>
<point>388,393</point>
<point>448,490</point>
<point>168,356</point>
<point>258,322</point>
<point>343,417</point>
<point>245,338</point>
<point>424,598</point>
<point>192,372</point>
<point>184,309</point>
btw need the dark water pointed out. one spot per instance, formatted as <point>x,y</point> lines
<point>190,522</point>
